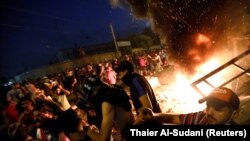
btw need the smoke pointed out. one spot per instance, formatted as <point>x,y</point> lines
<point>180,25</point>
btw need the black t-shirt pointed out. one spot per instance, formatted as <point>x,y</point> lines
<point>67,82</point>
<point>115,96</point>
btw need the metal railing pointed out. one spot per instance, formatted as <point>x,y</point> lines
<point>222,67</point>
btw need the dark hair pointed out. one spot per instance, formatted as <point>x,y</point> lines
<point>68,121</point>
<point>125,65</point>
<point>99,68</point>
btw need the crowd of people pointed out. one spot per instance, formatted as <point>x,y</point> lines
<point>98,101</point>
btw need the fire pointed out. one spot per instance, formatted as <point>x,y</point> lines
<point>202,39</point>
<point>204,69</point>
<point>208,66</point>
<point>200,51</point>
<point>179,96</point>
<point>154,82</point>
<point>183,90</point>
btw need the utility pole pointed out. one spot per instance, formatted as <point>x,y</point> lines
<point>114,39</point>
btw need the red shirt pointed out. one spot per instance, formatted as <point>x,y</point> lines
<point>11,112</point>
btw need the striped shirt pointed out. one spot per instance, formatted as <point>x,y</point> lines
<point>198,118</point>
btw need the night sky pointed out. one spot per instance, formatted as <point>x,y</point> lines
<point>33,31</point>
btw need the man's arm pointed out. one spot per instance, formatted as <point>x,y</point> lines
<point>146,114</point>
<point>166,118</point>
<point>145,101</point>
<point>142,94</point>
<point>108,112</point>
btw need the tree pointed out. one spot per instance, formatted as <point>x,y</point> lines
<point>141,40</point>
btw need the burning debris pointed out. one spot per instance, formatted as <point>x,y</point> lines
<point>192,29</point>
<point>197,34</point>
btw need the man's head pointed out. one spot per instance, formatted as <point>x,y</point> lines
<point>27,103</point>
<point>89,67</point>
<point>125,65</point>
<point>222,105</point>
<point>124,69</point>
<point>70,123</point>
<point>16,85</point>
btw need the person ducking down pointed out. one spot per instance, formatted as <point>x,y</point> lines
<point>222,107</point>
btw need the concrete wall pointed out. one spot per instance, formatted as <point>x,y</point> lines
<point>66,65</point>
<point>70,64</point>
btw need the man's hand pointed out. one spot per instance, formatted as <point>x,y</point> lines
<point>144,115</point>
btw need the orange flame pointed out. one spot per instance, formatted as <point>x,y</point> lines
<point>179,96</point>
<point>202,39</point>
